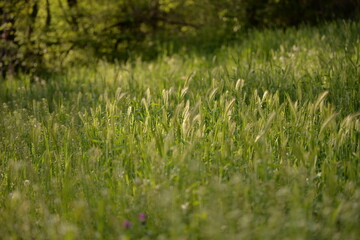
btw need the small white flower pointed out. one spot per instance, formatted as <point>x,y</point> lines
<point>184,206</point>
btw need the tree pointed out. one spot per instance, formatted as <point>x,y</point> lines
<point>8,43</point>
<point>37,34</point>
<point>18,50</point>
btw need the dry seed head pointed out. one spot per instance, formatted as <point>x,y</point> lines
<point>239,84</point>
<point>165,95</point>
<point>212,94</point>
<point>197,118</point>
<point>229,107</point>
<point>264,96</point>
<point>148,95</point>
<point>143,101</point>
<point>184,91</point>
<point>129,111</point>
<point>327,122</point>
<point>320,100</point>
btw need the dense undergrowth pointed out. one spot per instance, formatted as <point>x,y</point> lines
<point>258,140</point>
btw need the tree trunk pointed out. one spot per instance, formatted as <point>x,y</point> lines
<point>32,18</point>
<point>48,15</point>
<point>73,13</point>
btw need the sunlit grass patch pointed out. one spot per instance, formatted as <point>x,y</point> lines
<point>259,141</point>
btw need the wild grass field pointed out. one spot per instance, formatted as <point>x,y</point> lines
<point>259,139</point>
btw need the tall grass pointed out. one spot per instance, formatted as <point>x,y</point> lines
<point>260,140</point>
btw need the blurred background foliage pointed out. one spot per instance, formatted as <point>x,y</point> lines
<point>42,35</point>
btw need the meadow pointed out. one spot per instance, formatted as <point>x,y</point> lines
<point>257,139</point>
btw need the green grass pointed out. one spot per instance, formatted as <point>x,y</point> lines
<point>259,140</point>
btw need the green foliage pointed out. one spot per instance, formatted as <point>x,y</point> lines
<point>259,140</point>
<point>41,35</point>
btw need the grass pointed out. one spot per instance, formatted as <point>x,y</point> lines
<point>259,140</point>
